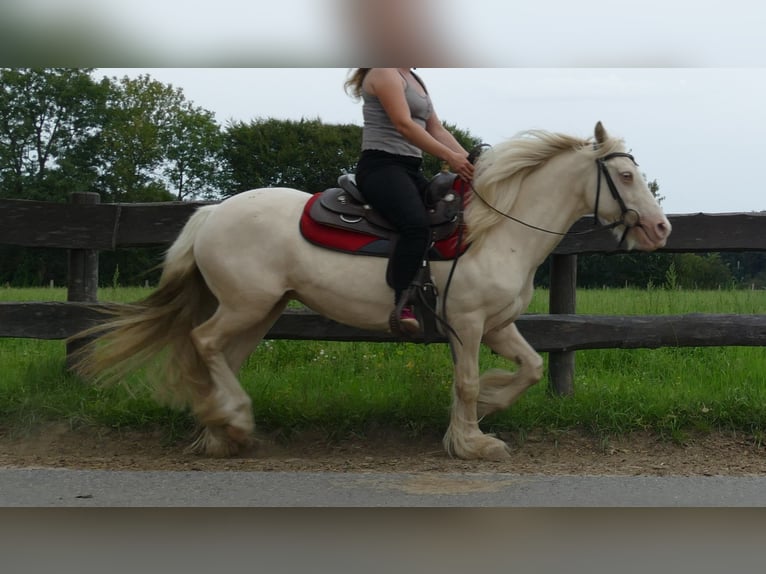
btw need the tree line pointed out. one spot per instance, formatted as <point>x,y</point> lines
<point>139,140</point>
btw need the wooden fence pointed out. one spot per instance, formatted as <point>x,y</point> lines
<point>85,226</point>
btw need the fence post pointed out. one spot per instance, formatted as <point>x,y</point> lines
<point>562,299</point>
<point>82,276</point>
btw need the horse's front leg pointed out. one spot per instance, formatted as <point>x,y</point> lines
<point>464,439</point>
<point>500,389</point>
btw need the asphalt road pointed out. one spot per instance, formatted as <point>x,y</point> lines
<point>83,488</point>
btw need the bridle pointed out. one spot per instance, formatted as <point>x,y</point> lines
<point>629,218</point>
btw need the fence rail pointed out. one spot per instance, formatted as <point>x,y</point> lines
<point>108,226</point>
<point>547,333</point>
<point>85,227</point>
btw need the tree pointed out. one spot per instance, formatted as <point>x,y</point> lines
<point>748,268</point>
<point>49,122</point>
<point>194,154</point>
<point>654,187</point>
<point>129,140</point>
<point>706,271</point>
<point>137,112</point>
<point>156,145</point>
<point>305,154</point>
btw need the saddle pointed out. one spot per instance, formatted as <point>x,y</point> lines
<point>339,218</point>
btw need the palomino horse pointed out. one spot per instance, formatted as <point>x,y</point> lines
<point>235,265</point>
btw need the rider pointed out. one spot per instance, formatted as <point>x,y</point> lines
<point>399,125</point>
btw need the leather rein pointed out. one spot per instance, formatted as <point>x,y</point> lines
<point>630,218</point>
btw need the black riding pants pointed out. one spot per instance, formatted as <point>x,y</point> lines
<point>393,185</point>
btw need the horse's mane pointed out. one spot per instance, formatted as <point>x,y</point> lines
<point>501,170</point>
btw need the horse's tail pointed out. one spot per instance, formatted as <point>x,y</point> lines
<point>139,335</point>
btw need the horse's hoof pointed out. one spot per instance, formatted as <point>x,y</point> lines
<point>218,442</point>
<point>239,435</point>
<point>497,451</point>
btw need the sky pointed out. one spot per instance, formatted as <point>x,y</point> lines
<point>698,131</point>
<point>682,81</point>
<point>512,33</point>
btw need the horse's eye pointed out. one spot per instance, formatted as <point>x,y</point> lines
<point>627,176</point>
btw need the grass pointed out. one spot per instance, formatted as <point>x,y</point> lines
<point>35,389</point>
<point>343,389</point>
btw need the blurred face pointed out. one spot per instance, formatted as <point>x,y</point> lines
<point>398,32</point>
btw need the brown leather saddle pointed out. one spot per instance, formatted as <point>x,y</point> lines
<point>344,207</point>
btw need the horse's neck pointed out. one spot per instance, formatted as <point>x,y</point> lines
<point>552,199</point>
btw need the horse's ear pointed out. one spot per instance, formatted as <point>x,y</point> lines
<point>601,136</point>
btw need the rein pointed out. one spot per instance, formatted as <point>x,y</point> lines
<point>629,217</point>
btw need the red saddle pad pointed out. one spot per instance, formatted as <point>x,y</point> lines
<point>358,243</point>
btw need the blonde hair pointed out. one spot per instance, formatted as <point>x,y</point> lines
<point>353,85</point>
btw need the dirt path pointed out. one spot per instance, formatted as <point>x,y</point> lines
<point>567,453</point>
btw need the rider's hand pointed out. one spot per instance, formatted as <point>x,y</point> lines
<point>459,164</point>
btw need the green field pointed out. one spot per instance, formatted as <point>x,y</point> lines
<point>343,389</point>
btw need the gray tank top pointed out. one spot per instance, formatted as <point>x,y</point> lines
<point>380,134</point>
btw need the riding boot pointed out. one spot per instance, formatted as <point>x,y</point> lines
<point>403,320</point>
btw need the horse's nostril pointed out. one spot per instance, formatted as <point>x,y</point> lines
<point>663,228</point>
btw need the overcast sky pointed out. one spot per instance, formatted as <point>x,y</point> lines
<point>698,131</point>
<point>537,33</point>
<point>679,80</point>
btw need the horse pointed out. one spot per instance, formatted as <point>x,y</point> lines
<point>236,264</point>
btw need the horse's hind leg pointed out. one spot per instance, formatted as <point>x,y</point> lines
<point>224,342</point>
<point>500,389</point>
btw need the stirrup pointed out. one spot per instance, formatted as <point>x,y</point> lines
<point>421,295</point>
